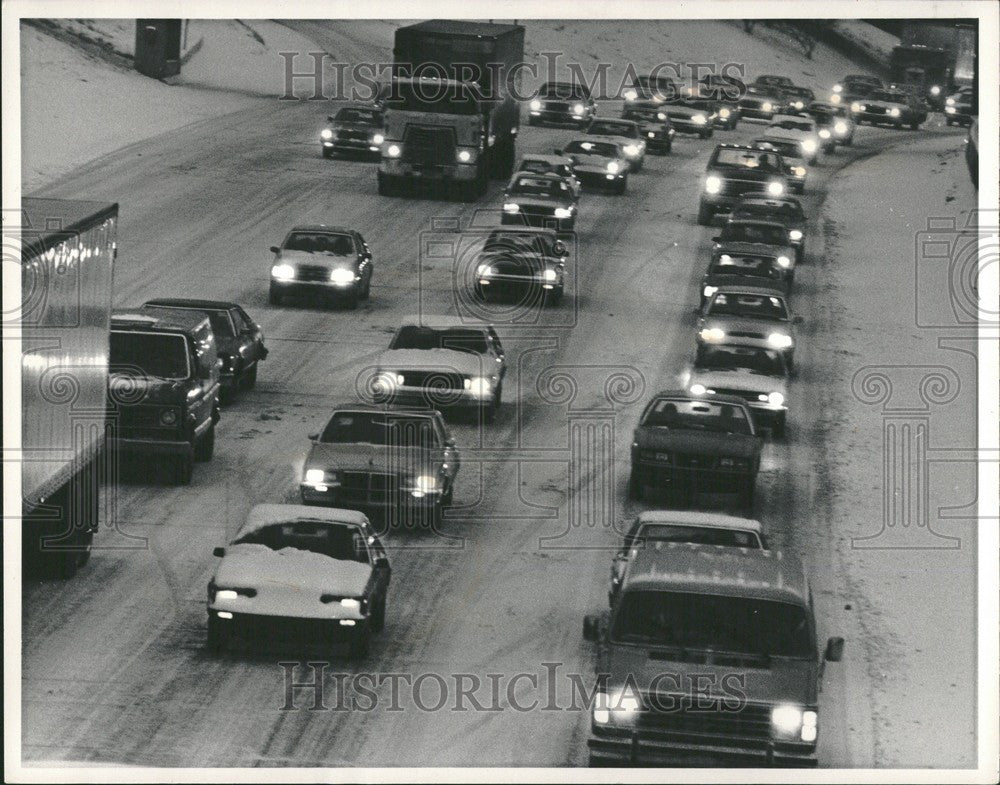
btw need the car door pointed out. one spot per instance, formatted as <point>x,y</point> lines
<point>451,455</point>
<point>381,569</point>
<point>249,331</point>
<point>365,261</point>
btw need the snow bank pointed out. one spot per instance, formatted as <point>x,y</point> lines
<point>876,43</point>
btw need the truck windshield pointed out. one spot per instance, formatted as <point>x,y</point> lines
<point>163,356</point>
<point>707,621</point>
<point>434,96</point>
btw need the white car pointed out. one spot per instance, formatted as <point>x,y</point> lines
<point>295,571</point>
<point>803,130</point>
<point>626,133</point>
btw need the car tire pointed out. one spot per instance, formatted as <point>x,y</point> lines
<point>635,492</point>
<point>621,186</point>
<point>182,469</point>
<point>778,431</point>
<point>914,126</point>
<point>378,616</point>
<point>205,447</point>
<point>249,379</point>
<point>532,120</point>
<point>366,293</point>
<point>216,637</point>
<point>327,152</point>
<point>705,214</point>
<point>350,301</point>
<point>449,496</point>
<point>800,254</point>
<point>386,185</point>
<point>669,147</point>
<point>360,643</point>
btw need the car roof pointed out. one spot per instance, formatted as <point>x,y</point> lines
<point>705,520</point>
<point>718,570</point>
<point>183,302</point>
<point>323,228</point>
<point>168,319</point>
<point>263,515</point>
<point>441,321</point>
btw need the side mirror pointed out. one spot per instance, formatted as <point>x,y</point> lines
<point>797,320</point>
<point>275,249</point>
<point>313,437</point>
<point>592,627</point>
<point>834,650</point>
<point>218,550</point>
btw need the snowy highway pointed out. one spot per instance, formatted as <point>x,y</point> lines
<point>115,667</point>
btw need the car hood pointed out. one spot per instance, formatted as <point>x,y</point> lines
<point>729,445</point>
<point>740,380</point>
<point>377,458</point>
<point>125,390</point>
<point>448,360</point>
<point>317,257</point>
<point>777,680</point>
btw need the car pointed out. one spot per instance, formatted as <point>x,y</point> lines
<point>695,528</point>
<point>727,92</point>
<point>539,200</point>
<point>782,83</point>
<point>320,575</point>
<point>529,263</point>
<point>759,270</point>
<point>745,315</point>
<point>708,657</point>
<point>332,262</point>
<point>846,85</point>
<point>841,123</point>
<point>538,163</point>
<point>825,121</point>
<point>961,107</point>
<point>598,163</point>
<point>686,443</point>
<point>759,376</point>
<point>792,155</point>
<point>353,129</point>
<point>443,362</point>
<point>691,118</point>
<point>890,107</point>
<point>798,98</point>
<point>238,339</point>
<point>625,133</point>
<point>562,103</point>
<point>654,125</point>
<point>796,128</point>
<point>786,210</point>
<point>735,171</point>
<point>398,460</point>
<point>652,88</point>
<point>754,239</point>
<point>761,103</point>
<point>163,388</point>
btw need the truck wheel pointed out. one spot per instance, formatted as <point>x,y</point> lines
<point>705,214</point>
<point>183,469</point>
<point>205,447</point>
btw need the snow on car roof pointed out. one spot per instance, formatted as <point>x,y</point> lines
<point>441,321</point>
<point>263,515</point>
<point>701,519</point>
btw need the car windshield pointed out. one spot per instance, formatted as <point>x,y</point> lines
<point>766,362</point>
<point>337,541</point>
<point>361,116</point>
<point>793,125</point>
<point>756,306</point>
<point>603,149</point>
<point>822,117</point>
<point>752,159</point>
<point>511,242</point>
<point>697,535</point>
<point>767,234</point>
<point>459,339</point>
<point>741,625</point>
<point>786,148</point>
<point>781,210</point>
<point>320,242</point>
<point>564,90</point>
<point>381,429</point>
<point>783,81</point>
<point>434,96</point>
<point>891,97</point>
<point>800,92</point>
<point>609,128</point>
<point>539,186</point>
<point>163,356</point>
<point>745,267</point>
<point>698,415</point>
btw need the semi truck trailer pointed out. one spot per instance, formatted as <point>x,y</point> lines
<point>936,56</point>
<point>68,250</point>
<point>451,116</point>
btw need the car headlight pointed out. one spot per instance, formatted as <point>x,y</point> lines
<point>578,108</point>
<point>699,119</point>
<point>779,340</point>
<point>786,720</point>
<point>478,385</point>
<point>835,98</point>
<point>393,151</point>
<point>563,212</point>
<point>713,184</point>
<point>613,167</point>
<point>795,234</point>
<point>536,105</point>
<point>484,271</point>
<point>315,477</point>
<point>776,399</point>
<point>631,150</point>
<point>661,116</point>
<point>341,276</point>
<point>949,101</point>
<point>809,145</point>
<point>837,88</point>
<point>775,188</point>
<point>799,171</point>
<point>935,90</point>
<point>724,112</point>
<point>464,156</point>
<point>840,127</point>
<point>712,334</point>
<point>857,107</point>
<point>425,483</point>
<point>168,417</point>
<point>651,134</point>
<point>725,259</point>
<point>894,112</point>
<point>708,291</point>
<point>949,110</point>
<point>784,261</point>
<point>734,463</point>
<point>511,207</point>
<point>698,389</point>
<point>861,107</point>
<point>378,139</point>
<point>824,133</point>
<point>767,106</point>
<point>550,274</point>
<point>283,272</point>
<point>326,133</point>
<point>631,95</point>
<point>619,707</point>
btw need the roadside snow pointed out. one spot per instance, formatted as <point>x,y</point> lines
<point>878,44</point>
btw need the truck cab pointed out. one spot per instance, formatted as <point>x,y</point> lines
<point>163,387</point>
<point>708,656</point>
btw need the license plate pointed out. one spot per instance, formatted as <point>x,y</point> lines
<point>662,456</point>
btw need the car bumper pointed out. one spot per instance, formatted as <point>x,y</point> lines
<point>414,170</point>
<point>559,116</point>
<point>511,286</point>
<point>682,127</point>
<point>256,627</point>
<point>314,288</point>
<point>624,747</point>
<point>597,178</point>
<point>354,498</point>
<point>352,146</point>
<point>434,399</point>
<point>146,446</point>
<point>538,219</point>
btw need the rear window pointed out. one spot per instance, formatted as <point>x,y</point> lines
<point>767,234</point>
<point>731,358</point>
<point>160,355</point>
<point>698,535</point>
<point>345,543</point>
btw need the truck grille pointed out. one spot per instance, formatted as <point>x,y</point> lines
<point>429,146</point>
<point>311,272</point>
<point>747,721</point>
<point>694,461</point>
<point>352,136</point>
<point>735,187</point>
<point>141,422</point>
